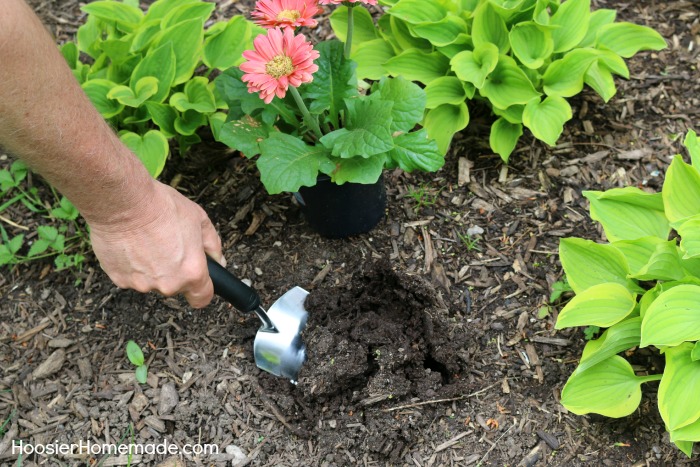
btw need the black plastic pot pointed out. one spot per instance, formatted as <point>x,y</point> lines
<point>339,211</point>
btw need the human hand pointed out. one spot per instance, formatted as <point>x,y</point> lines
<point>159,246</point>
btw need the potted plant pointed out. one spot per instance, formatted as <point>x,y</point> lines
<point>315,130</point>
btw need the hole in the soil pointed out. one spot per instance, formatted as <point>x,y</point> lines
<point>372,365</point>
<point>433,365</point>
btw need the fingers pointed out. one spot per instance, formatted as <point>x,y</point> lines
<point>212,242</point>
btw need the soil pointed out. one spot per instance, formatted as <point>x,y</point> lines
<point>425,347</point>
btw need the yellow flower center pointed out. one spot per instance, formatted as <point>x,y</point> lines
<point>281,65</point>
<point>291,15</point>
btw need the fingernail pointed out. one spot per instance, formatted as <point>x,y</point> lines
<point>222,261</point>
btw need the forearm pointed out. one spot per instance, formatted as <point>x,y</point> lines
<point>70,145</point>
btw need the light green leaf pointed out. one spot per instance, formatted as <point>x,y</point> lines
<point>488,27</point>
<point>564,77</point>
<point>144,35</point>
<point>690,237</point>
<point>629,213</point>
<point>196,96</point>
<point>475,66</point>
<point>15,244</point>
<point>695,354</point>
<point>673,318</point>
<point>681,192</point>
<point>507,9</point>
<point>448,30</point>
<point>287,163</point>
<point>366,132</point>
<point>687,433</point>
<point>418,11</point>
<point>626,39</point>
<point>572,19</point>
<point>416,151</point>
<point>225,49</point>
<point>186,38</point>
<point>531,43</point>
<point>444,121</point>
<point>195,10</point>
<point>71,54</point>
<point>159,63</point>
<point>134,97</point>
<point>187,123</point>
<point>637,252</point>
<point>587,263</point>
<point>513,114</point>
<point>408,102</point>
<point>679,404</point>
<point>508,85</point>
<point>608,388</point>
<point>598,18</point>
<point>685,446</point>
<point>160,8</point>
<point>134,353</point>
<point>664,264</point>
<point>401,37</point>
<point>65,210</point>
<point>363,30</point>
<point>618,338</point>
<point>164,116</point>
<point>601,80</point>
<point>416,65</point>
<point>152,148</point>
<point>245,135</point>
<point>371,57</point>
<point>124,17</point>
<point>601,305</point>
<point>141,374</point>
<point>97,91</point>
<point>445,90</point>
<point>546,119</point>
<point>358,170</point>
<point>504,136</point>
<point>117,50</point>
<point>692,144</point>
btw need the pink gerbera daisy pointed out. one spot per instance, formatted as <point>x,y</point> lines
<point>337,2</point>
<point>280,59</point>
<point>285,13</point>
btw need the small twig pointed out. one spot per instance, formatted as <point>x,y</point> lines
<point>438,401</point>
<point>13,224</point>
<point>494,445</point>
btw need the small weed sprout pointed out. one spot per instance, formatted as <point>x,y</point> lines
<point>471,242</point>
<point>135,356</point>
<point>423,197</point>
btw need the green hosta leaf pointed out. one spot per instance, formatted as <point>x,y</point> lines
<point>187,123</point>
<point>124,17</point>
<point>614,63</point>
<point>601,80</point>
<point>363,30</point>
<point>673,318</point>
<point>685,446</point>
<point>444,121</point>
<point>448,30</point>
<point>626,39</point>
<point>629,213</point>
<point>601,305</point>
<point>695,353</point>
<point>164,116</point>
<point>679,404</point>
<point>445,90</point>
<point>196,96</point>
<point>598,19</point>
<point>513,114</point>
<point>416,151</point>
<point>690,237</point>
<point>664,264</point>
<point>225,49</point>
<point>508,8</point>
<point>531,43</point>
<point>587,263</point>
<point>681,191</point>
<point>97,91</point>
<point>196,10</point>
<point>692,144</point>
<point>70,52</point>
<point>688,433</point>
<point>564,77</point>
<point>186,38</point>
<point>245,135</point>
<point>160,8</point>
<point>572,19</point>
<point>488,27</point>
<point>333,82</point>
<point>508,85</point>
<point>546,119</point>
<point>504,136</point>
<point>371,57</point>
<point>358,170</point>
<point>117,49</point>
<point>618,338</point>
<point>366,132</point>
<point>90,37</point>
<point>418,11</point>
<point>416,65</point>
<point>65,210</point>
<point>647,299</point>
<point>159,63</point>
<point>134,97</point>
<point>475,66</point>
<point>119,72</point>
<point>141,374</point>
<point>608,388</point>
<point>287,163</point>
<point>145,34</point>
<point>637,252</point>
<point>408,102</point>
<point>134,353</point>
<point>401,37</point>
<point>152,148</point>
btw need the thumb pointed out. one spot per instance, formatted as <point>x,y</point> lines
<point>211,242</point>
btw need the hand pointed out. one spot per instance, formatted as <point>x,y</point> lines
<point>160,246</point>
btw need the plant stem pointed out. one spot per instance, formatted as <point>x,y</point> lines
<point>351,26</point>
<point>646,379</point>
<point>312,122</point>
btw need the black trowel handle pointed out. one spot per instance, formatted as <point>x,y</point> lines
<point>231,288</point>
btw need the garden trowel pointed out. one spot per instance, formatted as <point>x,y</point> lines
<point>278,347</point>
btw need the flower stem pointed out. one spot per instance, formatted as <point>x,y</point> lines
<point>312,122</point>
<point>351,26</point>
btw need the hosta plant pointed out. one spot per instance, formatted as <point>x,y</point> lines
<point>139,68</point>
<point>643,287</point>
<point>523,58</point>
<point>298,107</point>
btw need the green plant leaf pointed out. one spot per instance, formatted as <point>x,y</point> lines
<point>571,22</point>
<point>159,63</point>
<point>134,353</point>
<point>531,43</point>
<point>587,263</point>
<point>124,17</point>
<point>444,121</point>
<point>504,137</point>
<point>688,433</point>
<point>416,65</point>
<point>194,10</point>
<point>401,37</point>
<point>475,66</point>
<point>508,85</point>
<point>637,252</point>
<point>118,50</point>
<point>134,97</point>
<point>245,135</point>
<point>695,353</point>
<point>160,8</point>
<point>286,163</point>
<point>152,148</point>
<point>447,31</point>
<point>186,38</point>
<point>196,96</point>
<point>600,305</point>
<point>225,49</point>
<point>164,116</point>
<point>358,170</point>
<point>513,114</point>
<point>679,405</point>
<point>144,35</point>
<point>546,119</point>
<point>664,264</point>
<point>690,237</point>
<point>681,192</point>
<point>65,210</point>
<point>445,90</point>
<point>692,144</point>
<point>14,245</point>
<point>363,30</point>
<point>599,77</point>
<point>71,54</point>
<point>141,374</point>
<point>418,11</point>
<point>628,213</point>
<point>366,132</point>
<point>673,318</point>
<point>608,388</point>
<point>416,151</point>
<point>488,27</point>
<point>371,57</point>
<point>97,91</point>
<point>187,123</point>
<point>408,102</point>
<point>598,18</point>
<point>618,338</point>
<point>565,77</point>
<point>626,39</point>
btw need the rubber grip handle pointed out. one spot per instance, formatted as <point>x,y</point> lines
<point>231,288</point>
